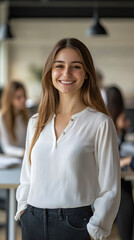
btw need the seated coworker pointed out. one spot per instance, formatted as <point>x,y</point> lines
<point>125,214</point>
<point>13,119</point>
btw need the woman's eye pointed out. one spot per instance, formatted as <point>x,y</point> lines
<point>59,66</point>
<point>76,67</point>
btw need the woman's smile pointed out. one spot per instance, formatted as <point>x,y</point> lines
<point>66,82</point>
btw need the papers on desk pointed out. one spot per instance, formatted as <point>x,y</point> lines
<point>127,149</point>
<point>128,175</point>
<point>8,162</point>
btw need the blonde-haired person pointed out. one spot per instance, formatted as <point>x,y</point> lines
<point>71,160</point>
<point>13,119</point>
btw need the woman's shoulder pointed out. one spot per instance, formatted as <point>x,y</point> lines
<point>1,118</point>
<point>35,116</point>
<point>97,116</point>
<point>32,124</point>
<point>33,119</point>
<point>0,114</point>
<point>1,122</point>
<point>98,119</point>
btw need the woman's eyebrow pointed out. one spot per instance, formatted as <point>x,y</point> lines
<point>77,62</point>
<point>58,61</point>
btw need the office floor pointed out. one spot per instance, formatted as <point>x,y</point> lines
<point>114,234</point>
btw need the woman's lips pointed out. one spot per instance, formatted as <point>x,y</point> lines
<point>67,82</point>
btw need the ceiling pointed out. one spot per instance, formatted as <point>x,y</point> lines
<point>70,8</point>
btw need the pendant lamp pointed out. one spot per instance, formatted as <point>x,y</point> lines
<point>5,30</point>
<point>97,28</point>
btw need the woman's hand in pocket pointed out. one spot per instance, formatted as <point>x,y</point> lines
<point>21,213</point>
<point>91,237</point>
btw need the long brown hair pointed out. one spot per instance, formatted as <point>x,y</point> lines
<point>90,93</point>
<point>7,109</point>
<point>115,103</point>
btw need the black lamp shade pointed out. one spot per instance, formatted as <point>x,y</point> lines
<point>5,32</point>
<point>96,29</point>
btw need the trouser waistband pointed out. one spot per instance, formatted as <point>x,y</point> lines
<point>62,212</point>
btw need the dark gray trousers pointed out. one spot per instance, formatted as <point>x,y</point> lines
<point>55,224</point>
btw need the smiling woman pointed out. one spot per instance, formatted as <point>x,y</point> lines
<point>71,160</point>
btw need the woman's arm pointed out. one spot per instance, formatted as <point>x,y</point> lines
<point>125,161</point>
<point>132,163</point>
<point>25,178</point>
<point>6,145</point>
<point>91,237</point>
<point>107,199</point>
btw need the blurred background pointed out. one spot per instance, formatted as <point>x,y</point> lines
<point>36,26</point>
<point>29,30</point>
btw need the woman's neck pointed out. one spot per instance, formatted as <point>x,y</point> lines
<point>69,105</point>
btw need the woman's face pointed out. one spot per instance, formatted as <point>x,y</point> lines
<point>19,100</point>
<point>68,72</point>
<point>122,122</point>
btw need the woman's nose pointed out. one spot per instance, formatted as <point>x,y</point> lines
<point>67,71</point>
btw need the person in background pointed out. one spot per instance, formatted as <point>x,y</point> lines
<point>71,160</point>
<point>13,119</point>
<point>1,90</point>
<point>100,79</point>
<point>125,216</point>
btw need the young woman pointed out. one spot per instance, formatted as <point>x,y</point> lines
<point>71,160</point>
<point>125,216</point>
<point>13,119</point>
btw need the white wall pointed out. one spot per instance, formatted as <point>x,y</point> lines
<point>113,55</point>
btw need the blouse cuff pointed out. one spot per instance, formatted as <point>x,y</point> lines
<point>96,233</point>
<point>17,216</point>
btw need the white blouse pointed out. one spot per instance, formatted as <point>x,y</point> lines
<point>79,169</point>
<point>7,144</point>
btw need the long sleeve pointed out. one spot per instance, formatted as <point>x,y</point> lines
<point>6,145</point>
<point>107,201</point>
<point>23,189</point>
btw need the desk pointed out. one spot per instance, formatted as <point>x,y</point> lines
<point>10,179</point>
<point>128,175</point>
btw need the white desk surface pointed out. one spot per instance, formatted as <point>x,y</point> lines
<point>10,177</point>
<point>128,175</point>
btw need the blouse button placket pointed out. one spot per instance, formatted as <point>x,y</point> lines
<point>66,130</point>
